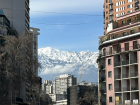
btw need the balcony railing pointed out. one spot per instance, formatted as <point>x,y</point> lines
<point>117,76</point>
<point>125,75</point>
<point>126,88</point>
<point>133,61</point>
<point>103,78</point>
<point>117,64</point>
<point>125,62</point>
<point>118,89</point>
<point>103,91</point>
<point>119,102</point>
<point>134,74</point>
<point>134,88</point>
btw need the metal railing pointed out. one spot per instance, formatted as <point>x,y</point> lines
<point>118,89</point>
<point>117,76</point>
<point>134,88</point>
<point>125,75</point>
<point>126,88</point>
<point>134,74</point>
<point>133,61</point>
<point>117,64</point>
<point>125,62</point>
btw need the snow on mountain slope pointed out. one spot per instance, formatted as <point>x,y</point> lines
<point>55,62</point>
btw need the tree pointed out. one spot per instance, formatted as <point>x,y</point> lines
<point>45,99</point>
<point>90,96</point>
<point>17,65</point>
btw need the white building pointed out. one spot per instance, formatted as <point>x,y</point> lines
<point>46,83</point>
<point>57,97</point>
<point>17,12</point>
<point>62,82</point>
<point>61,102</point>
<point>86,83</point>
<point>49,89</point>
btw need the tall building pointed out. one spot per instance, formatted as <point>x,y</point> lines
<point>119,59</point>
<point>46,83</point>
<point>116,8</point>
<point>62,82</point>
<point>17,12</point>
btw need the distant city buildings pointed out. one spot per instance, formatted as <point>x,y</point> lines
<point>62,82</point>
<point>86,83</point>
<point>47,83</point>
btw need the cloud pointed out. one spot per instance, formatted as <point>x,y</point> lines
<point>66,6</point>
<point>57,69</point>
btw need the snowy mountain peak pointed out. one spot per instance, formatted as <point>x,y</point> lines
<point>55,61</point>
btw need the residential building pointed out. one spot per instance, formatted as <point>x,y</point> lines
<point>116,8</point>
<point>87,83</point>
<point>46,83</point>
<point>118,62</point>
<point>49,89</point>
<point>17,12</point>
<point>57,97</point>
<point>62,82</point>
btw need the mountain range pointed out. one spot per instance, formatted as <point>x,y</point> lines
<point>55,62</point>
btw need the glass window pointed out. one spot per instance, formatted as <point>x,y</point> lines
<point>132,31</point>
<point>110,74</point>
<point>128,6</point>
<point>110,99</point>
<point>110,86</point>
<point>109,61</point>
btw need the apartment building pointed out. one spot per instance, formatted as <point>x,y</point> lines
<point>116,8</point>
<point>17,12</point>
<point>62,82</point>
<point>49,89</point>
<point>45,84</point>
<point>119,59</point>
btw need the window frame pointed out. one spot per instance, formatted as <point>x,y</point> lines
<point>110,72</point>
<point>110,88</point>
<point>110,62</point>
<point>111,99</point>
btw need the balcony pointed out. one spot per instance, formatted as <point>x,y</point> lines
<point>126,88</point>
<point>134,74</point>
<point>125,62</point>
<point>125,75</point>
<point>136,1</point>
<point>133,61</point>
<point>103,78</point>
<point>134,88</point>
<point>118,89</point>
<point>103,91</point>
<point>117,63</point>
<point>117,76</point>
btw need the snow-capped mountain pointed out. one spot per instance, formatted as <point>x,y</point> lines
<point>55,62</point>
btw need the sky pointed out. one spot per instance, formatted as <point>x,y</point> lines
<point>68,25</point>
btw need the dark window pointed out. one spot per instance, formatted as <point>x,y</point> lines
<point>135,45</point>
<point>126,46</point>
<point>106,1</point>
<point>110,86</point>
<point>123,22</point>
<point>110,74</point>
<point>104,52</point>
<point>128,6</point>
<point>106,7</point>
<point>132,32</point>
<point>116,36</point>
<point>106,12</point>
<point>106,18</point>
<point>124,33</point>
<point>110,99</point>
<point>109,61</point>
<point>110,50</point>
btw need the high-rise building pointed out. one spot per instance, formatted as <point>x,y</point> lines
<point>62,82</point>
<point>119,59</point>
<point>46,83</point>
<point>17,12</point>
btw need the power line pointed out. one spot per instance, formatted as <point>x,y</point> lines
<point>54,12</point>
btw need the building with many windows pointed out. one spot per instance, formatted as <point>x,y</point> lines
<point>119,59</point>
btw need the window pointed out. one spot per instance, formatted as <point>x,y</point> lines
<point>106,1</point>
<point>123,22</point>
<point>128,6</point>
<point>110,50</point>
<point>110,99</point>
<point>116,36</point>
<point>110,74</point>
<point>110,86</point>
<point>106,12</point>
<point>129,1</point>
<point>106,18</point>
<point>109,61</point>
<point>106,7</point>
<point>124,33</point>
<point>132,31</point>
<point>126,46</point>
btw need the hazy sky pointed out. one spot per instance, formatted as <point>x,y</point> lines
<point>68,25</point>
